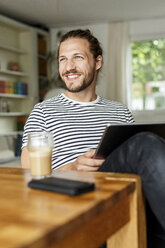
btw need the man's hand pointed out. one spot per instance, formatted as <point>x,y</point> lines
<point>84,162</point>
<point>25,160</point>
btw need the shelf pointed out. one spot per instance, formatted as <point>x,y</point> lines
<point>12,49</point>
<point>14,73</point>
<point>13,96</point>
<point>19,48</point>
<point>12,114</point>
<point>14,133</point>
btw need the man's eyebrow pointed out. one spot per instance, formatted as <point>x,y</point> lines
<point>61,56</point>
<point>79,53</point>
<point>73,54</point>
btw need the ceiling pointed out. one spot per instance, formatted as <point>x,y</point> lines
<point>53,13</point>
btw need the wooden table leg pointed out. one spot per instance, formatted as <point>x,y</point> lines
<point>133,234</point>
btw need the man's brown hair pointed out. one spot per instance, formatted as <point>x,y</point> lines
<point>86,34</point>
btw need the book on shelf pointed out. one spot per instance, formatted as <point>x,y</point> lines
<point>11,87</point>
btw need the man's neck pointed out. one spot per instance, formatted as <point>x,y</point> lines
<point>81,96</point>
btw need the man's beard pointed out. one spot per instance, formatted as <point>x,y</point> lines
<point>85,84</point>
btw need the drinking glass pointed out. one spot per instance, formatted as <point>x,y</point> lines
<point>40,146</point>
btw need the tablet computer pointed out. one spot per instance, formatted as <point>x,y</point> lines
<point>115,134</point>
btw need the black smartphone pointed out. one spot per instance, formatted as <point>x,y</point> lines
<point>62,185</point>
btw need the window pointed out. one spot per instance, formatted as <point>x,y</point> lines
<point>148,74</point>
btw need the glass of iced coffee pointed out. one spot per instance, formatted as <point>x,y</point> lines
<point>40,146</point>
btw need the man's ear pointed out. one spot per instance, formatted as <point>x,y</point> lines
<point>99,60</point>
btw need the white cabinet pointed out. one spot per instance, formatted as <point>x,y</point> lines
<point>18,72</point>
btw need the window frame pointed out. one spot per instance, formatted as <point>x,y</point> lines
<point>144,30</point>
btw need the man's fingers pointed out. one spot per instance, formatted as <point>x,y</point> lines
<point>86,162</point>
<point>90,154</point>
<point>87,168</point>
<point>83,160</point>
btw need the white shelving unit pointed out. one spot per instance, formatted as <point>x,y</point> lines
<point>18,44</point>
<point>10,133</point>
<point>14,73</point>
<point>4,95</point>
<point>12,114</point>
<point>12,49</point>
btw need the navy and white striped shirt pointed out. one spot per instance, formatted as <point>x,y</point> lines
<point>76,126</point>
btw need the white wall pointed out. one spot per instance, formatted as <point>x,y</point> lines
<point>101,32</point>
<point>147,29</point>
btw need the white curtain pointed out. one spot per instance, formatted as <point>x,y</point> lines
<point>118,61</point>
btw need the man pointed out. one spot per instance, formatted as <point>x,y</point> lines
<point>78,118</point>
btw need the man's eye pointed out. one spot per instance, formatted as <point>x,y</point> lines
<point>79,57</point>
<point>62,60</point>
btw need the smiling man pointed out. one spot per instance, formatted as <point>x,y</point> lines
<point>78,118</point>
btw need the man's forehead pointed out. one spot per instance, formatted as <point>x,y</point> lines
<point>74,45</point>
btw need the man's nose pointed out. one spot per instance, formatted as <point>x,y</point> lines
<point>70,65</point>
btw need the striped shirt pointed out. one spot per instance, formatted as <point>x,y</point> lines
<point>76,126</point>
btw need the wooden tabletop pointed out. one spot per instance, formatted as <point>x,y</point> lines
<point>41,219</point>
